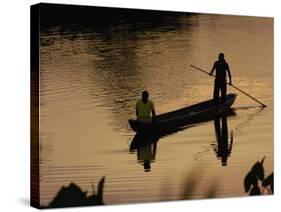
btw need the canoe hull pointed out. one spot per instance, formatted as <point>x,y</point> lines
<point>201,112</point>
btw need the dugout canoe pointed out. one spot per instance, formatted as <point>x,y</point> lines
<point>201,112</point>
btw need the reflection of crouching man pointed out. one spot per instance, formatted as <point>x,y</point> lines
<point>144,108</point>
<point>146,155</point>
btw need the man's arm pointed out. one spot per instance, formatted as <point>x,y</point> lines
<point>137,111</point>
<point>153,110</point>
<point>229,74</point>
<point>213,69</point>
<point>153,113</point>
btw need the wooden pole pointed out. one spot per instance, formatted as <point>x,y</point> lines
<point>263,105</point>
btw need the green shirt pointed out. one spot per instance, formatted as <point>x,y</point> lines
<point>144,109</point>
<point>145,153</point>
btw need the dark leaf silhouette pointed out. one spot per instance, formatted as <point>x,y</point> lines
<point>255,191</point>
<point>268,182</point>
<point>73,195</point>
<point>250,180</point>
<point>255,181</point>
<point>262,160</point>
<point>258,170</point>
<point>69,196</point>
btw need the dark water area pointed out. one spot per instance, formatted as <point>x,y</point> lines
<point>94,64</point>
<point>84,18</point>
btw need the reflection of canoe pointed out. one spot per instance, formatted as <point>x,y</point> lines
<point>197,113</point>
<point>150,137</point>
<point>141,139</point>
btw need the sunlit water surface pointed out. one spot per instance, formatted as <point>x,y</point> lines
<point>90,81</point>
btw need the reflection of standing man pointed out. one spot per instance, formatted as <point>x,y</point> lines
<point>223,149</point>
<point>221,67</point>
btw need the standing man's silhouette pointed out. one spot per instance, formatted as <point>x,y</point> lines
<point>221,67</point>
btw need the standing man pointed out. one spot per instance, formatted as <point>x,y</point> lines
<point>145,108</point>
<point>221,67</point>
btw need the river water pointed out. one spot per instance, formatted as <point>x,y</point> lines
<point>91,78</point>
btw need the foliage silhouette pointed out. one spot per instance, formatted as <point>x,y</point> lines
<point>255,182</point>
<point>73,195</point>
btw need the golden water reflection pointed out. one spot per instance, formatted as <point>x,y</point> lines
<point>92,77</point>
